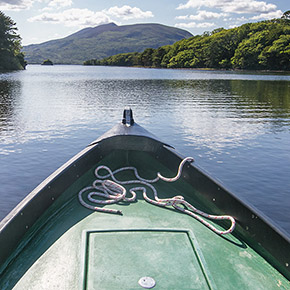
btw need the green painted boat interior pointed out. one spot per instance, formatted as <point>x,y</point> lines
<point>72,247</point>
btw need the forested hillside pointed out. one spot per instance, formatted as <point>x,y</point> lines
<point>11,57</point>
<point>262,45</point>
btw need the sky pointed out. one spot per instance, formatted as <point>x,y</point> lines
<point>42,20</point>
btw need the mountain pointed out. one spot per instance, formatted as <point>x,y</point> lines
<point>103,41</point>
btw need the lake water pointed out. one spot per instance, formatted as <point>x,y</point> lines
<point>235,124</point>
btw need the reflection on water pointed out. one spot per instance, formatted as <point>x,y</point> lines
<point>234,110</point>
<point>10,92</point>
<point>236,125</point>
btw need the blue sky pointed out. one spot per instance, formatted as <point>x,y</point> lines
<point>42,20</point>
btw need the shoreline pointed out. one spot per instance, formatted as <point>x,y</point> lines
<point>165,68</point>
<point>197,69</point>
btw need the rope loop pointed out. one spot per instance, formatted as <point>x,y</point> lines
<point>113,191</point>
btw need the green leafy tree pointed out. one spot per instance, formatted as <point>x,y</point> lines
<point>10,45</point>
<point>277,56</point>
<point>286,15</point>
<point>182,59</point>
<point>146,57</point>
<point>157,56</point>
<point>247,54</point>
<point>222,46</point>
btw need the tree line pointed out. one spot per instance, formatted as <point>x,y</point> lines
<point>11,57</point>
<point>262,45</point>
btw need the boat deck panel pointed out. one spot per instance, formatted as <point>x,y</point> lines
<point>161,254</point>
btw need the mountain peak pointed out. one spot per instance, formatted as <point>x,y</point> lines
<point>110,24</point>
<point>102,41</point>
<point>92,31</point>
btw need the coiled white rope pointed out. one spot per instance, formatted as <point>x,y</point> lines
<point>113,191</point>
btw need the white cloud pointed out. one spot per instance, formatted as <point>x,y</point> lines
<point>249,7</point>
<point>194,25</point>
<point>73,17</point>
<point>56,4</point>
<point>192,4</point>
<point>60,3</point>
<point>271,15</point>
<point>127,12</point>
<point>200,3</point>
<point>26,4</point>
<point>203,15</point>
<point>15,4</point>
<point>232,6</point>
<point>85,17</point>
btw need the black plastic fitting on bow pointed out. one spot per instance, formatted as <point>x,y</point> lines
<point>128,117</point>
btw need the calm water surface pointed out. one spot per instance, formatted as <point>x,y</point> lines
<point>236,125</point>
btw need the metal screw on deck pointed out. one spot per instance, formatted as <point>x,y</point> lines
<point>147,282</point>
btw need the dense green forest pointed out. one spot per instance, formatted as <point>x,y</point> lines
<point>11,57</point>
<point>262,45</point>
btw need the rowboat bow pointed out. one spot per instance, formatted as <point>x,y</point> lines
<point>129,212</point>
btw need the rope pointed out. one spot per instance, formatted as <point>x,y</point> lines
<point>113,191</point>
